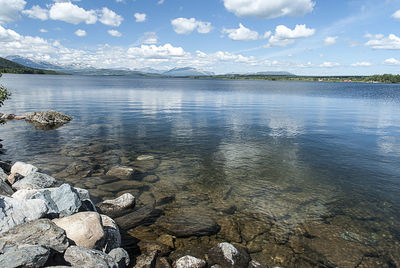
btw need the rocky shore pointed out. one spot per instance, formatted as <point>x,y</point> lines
<point>45,223</point>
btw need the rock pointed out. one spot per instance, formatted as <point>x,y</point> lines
<point>148,246</point>
<point>8,116</point>
<point>146,260</point>
<point>117,206</point>
<point>120,256</point>
<point>23,168</point>
<point>5,166</point>
<point>5,189</point>
<point>88,258</point>
<point>255,264</point>
<point>35,180</point>
<point>162,263</point>
<point>144,215</point>
<point>121,172</point>
<point>188,224</point>
<point>20,117</point>
<point>25,256</point>
<point>112,237</point>
<point>84,228</point>
<point>151,179</point>
<point>166,239</point>
<point>226,255</point>
<point>3,175</point>
<point>84,196</point>
<point>189,262</point>
<point>14,212</point>
<point>144,157</point>
<point>42,232</point>
<point>121,185</point>
<point>47,118</point>
<point>14,177</point>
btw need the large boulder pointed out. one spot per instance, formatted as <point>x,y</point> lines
<point>14,212</point>
<point>25,256</point>
<point>84,228</point>
<point>117,206</point>
<point>120,256</point>
<point>3,175</point>
<point>5,189</point>
<point>189,262</point>
<point>35,180</point>
<point>88,258</point>
<point>42,232</point>
<point>47,118</point>
<point>228,256</point>
<point>112,237</point>
<point>23,168</point>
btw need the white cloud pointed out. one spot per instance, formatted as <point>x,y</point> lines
<point>36,12</point>
<point>160,2</point>
<point>114,33</point>
<point>110,18</point>
<point>379,41</point>
<point>391,61</point>
<point>187,26</point>
<point>396,15</point>
<point>362,64</point>
<point>241,34</point>
<point>68,12</point>
<point>80,33</point>
<point>284,36</point>
<point>157,52</point>
<point>10,9</point>
<point>43,31</point>
<point>269,9</point>
<point>149,38</point>
<point>267,34</point>
<point>140,17</point>
<point>330,40</point>
<point>328,64</point>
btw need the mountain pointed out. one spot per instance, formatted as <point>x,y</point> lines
<point>275,73</point>
<point>187,71</point>
<point>32,63</point>
<point>7,66</point>
<point>149,70</point>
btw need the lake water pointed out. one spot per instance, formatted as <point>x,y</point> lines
<point>302,174</point>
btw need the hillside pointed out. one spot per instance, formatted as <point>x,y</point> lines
<point>7,66</point>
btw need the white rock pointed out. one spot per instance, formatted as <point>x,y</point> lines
<point>229,251</point>
<point>189,262</point>
<point>23,168</point>
<point>124,201</point>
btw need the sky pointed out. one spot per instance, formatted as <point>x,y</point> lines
<point>305,37</point>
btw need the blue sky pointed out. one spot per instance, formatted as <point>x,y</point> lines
<point>312,37</point>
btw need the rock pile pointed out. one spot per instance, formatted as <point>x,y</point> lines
<point>41,120</point>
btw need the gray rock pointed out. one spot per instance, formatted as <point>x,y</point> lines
<point>5,166</point>
<point>144,215</point>
<point>88,258</point>
<point>162,263</point>
<point>147,260</point>
<point>189,262</point>
<point>120,256</point>
<point>151,179</point>
<point>8,116</point>
<point>3,175</point>
<point>121,172</point>
<point>117,206</point>
<point>25,256</point>
<point>255,264</point>
<point>14,177</point>
<point>5,189</point>
<point>112,236</point>
<point>148,246</point>
<point>228,256</point>
<point>23,168</point>
<point>48,118</point>
<point>14,212</point>
<point>42,232</point>
<point>35,180</point>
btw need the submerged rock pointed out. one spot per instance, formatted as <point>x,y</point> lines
<point>7,116</point>
<point>42,232</point>
<point>14,212</point>
<point>189,262</point>
<point>146,260</point>
<point>144,215</point>
<point>47,118</point>
<point>226,255</point>
<point>121,172</point>
<point>84,257</point>
<point>25,256</point>
<point>117,206</point>
<point>84,228</point>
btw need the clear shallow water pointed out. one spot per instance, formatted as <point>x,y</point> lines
<point>318,162</point>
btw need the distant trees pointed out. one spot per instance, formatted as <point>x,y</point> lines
<point>4,94</point>
<point>385,78</point>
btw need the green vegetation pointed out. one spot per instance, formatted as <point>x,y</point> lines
<point>7,66</point>
<point>4,94</point>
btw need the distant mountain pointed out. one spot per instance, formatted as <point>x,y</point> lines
<point>7,66</point>
<point>275,73</point>
<point>32,63</point>
<point>187,71</point>
<point>149,70</point>
<point>108,72</point>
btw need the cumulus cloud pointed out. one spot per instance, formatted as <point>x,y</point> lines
<point>110,18</point>
<point>284,36</point>
<point>396,15</point>
<point>140,17</point>
<point>114,33</point>
<point>379,41</point>
<point>328,64</point>
<point>149,38</point>
<point>187,26</point>
<point>362,64</point>
<point>36,12</point>
<point>330,40</point>
<point>43,31</point>
<point>80,33</point>
<point>241,34</point>
<point>10,9</point>
<point>157,52</point>
<point>68,12</point>
<point>269,9</point>
<point>391,61</point>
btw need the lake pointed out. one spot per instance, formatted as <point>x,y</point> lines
<point>300,173</point>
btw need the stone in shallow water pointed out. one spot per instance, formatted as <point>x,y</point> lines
<point>25,256</point>
<point>121,172</point>
<point>42,232</point>
<point>227,255</point>
<point>112,237</point>
<point>84,228</point>
<point>117,206</point>
<point>146,260</point>
<point>121,185</point>
<point>14,212</point>
<point>144,215</point>
<point>23,168</point>
<point>189,262</point>
<point>84,257</point>
<point>148,246</point>
<point>144,157</point>
<point>35,180</point>
<point>47,118</point>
